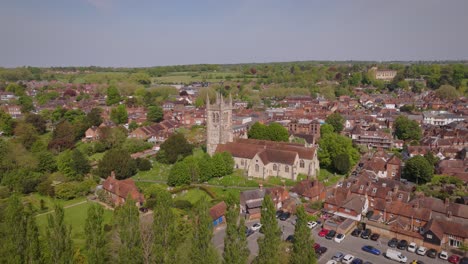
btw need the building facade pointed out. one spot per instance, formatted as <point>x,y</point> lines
<point>218,123</point>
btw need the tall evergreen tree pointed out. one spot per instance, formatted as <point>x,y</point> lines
<point>235,241</point>
<point>127,225</point>
<point>202,251</point>
<point>33,253</point>
<point>95,242</point>
<point>269,245</point>
<point>164,228</point>
<point>302,251</point>
<point>58,237</point>
<point>14,237</point>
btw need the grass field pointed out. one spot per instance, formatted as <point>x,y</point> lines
<point>159,172</point>
<point>35,200</point>
<point>192,195</point>
<point>329,178</point>
<point>75,216</point>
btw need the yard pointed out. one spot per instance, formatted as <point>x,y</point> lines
<point>192,195</point>
<point>329,178</point>
<point>75,216</point>
<point>159,172</point>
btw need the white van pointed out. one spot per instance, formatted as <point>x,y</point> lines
<point>395,255</point>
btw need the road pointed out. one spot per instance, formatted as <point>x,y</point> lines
<point>350,245</point>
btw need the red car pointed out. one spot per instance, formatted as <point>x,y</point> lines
<point>316,246</point>
<point>454,259</point>
<point>323,232</point>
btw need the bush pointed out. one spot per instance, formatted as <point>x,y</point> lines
<point>144,164</point>
<point>73,189</point>
<point>182,204</point>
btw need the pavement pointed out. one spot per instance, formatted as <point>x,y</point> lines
<point>350,245</point>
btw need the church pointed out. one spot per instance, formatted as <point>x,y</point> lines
<point>257,158</point>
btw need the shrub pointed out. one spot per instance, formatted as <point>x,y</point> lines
<point>182,204</point>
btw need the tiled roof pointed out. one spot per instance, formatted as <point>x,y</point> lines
<point>218,210</point>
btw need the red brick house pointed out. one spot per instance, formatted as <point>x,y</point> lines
<point>310,190</point>
<point>120,190</point>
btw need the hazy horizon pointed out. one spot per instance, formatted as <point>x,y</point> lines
<point>122,33</point>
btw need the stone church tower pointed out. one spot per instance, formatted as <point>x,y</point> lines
<point>218,123</point>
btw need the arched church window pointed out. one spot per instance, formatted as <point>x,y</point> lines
<point>275,167</point>
<point>301,164</point>
<point>257,168</point>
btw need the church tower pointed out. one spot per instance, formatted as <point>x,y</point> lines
<point>218,123</point>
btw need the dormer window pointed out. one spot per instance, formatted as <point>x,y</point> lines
<point>361,187</point>
<point>400,196</point>
<point>374,190</point>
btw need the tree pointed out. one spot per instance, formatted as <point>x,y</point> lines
<point>326,129</point>
<point>37,121</point>
<point>175,148</point>
<point>302,251</point>
<point>127,228</point>
<point>179,174</point>
<point>94,117</point>
<point>463,247</point>
<point>119,161</point>
<point>155,113</point>
<point>268,246</point>
<point>433,160</point>
<point>341,163</point>
<point>14,229</point>
<point>113,95</point>
<point>235,241</point>
<point>58,238</point>
<point>95,241</point>
<point>277,132</point>
<point>258,131</point>
<point>26,104</point>
<point>6,123</point>
<point>62,137</point>
<point>447,92</point>
<point>205,165</point>
<point>25,134</point>
<point>332,145</point>
<point>337,121</point>
<point>406,129</point>
<point>418,169</point>
<point>164,221</point>
<point>356,78</point>
<point>33,252</point>
<point>119,114</point>
<point>73,164</point>
<point>202,250</point>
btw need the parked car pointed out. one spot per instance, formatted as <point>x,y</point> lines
<point>454,259</point>
<point>393,242</point>
<point>316,246</point>
<point>290,239</point>
<point>464,260</point>
<point>321,250</point>
<point>348,259</point>
<point>278,213</point>
<point>374,237</point>
<point>432,253</point>
<point>412,247</point>
<point>395,255</point>
<point>339,238</point>
<point>371,249</point>
<point>331,234</point>
<point>256,226</point>
<point>421,251</point>
<point>357,261</point>
<point>338,256</point>
<point>284,216</point>
<point>443,255</point>
<point>249,232</point>
<point>323,232</point>
<point>366,234</point>
<point>356,232</point>
<point>403,244</point>
<point>312,224</point>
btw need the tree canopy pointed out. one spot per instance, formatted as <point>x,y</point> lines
<point>406,129</point>
<point>418,169</point>
<point>273,132</point>
<point>337,121</point>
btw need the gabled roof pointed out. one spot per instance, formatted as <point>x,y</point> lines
<point>123,188</point>
<point>218,210</point>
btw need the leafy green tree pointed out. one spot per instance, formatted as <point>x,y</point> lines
<point>113,95</point>
<point>164,225</point>
<point>332,145</point>
<point>235,241</point>
<point>62,137</point>
<point>356,79</point>
<point>337,121</point>
<point>277,132</point>
<point>73,164</point>
<point>175,148</point>
<point>37,121</point>
<point>433,160</point>
<point>6,123</point>
<point>447,92</point>
<point>119,114</point>
<point>155,113</point>
<point>127,228</point>
<point>326,129</point>
<point>179,174</point>
<point>95,241</point>
<point>418,169</point>
<point>26,104</point>
<point>205,166</point>
<point>14,242</point>
<point>46,162</point>
<point>119,161</point>
<point>25,134</point>
<point>268,246</point>
<point>258,131</point>
<point>202,250</point>
<point>58,238</point>
<point>33,252</point>
<point>406,129</point>
<point>94,117</point>
<point>113,137</point>
<point>302,251</point>
<point>341,163</point>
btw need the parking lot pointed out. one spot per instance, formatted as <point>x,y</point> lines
<point>350,245</point>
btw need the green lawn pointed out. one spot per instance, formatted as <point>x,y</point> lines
<point>192,195</point>
<point>75,217</point>
<point>235,179</point>
<point>159,172</point>
<point>35,200</point>
<point>329,178</point>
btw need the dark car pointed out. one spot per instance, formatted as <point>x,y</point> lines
<point>279,213</point>
<point>357,261</point>
<point>403,244</point>
<point>356,232</point>
<point>374,237</point>
<point>331,234</point>
<point>371,249</point>
<point>366,234</point>
<point>338,256</point>
<point>284,216</point>
<point>290,239</point>
<point>393,242</point>
<point>432,253</point>
<point>249,232</point>
<point>463,260</point>
<point>316,246</point>
<point>321,250</point>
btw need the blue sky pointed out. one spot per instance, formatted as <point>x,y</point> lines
<point>152,32</point>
